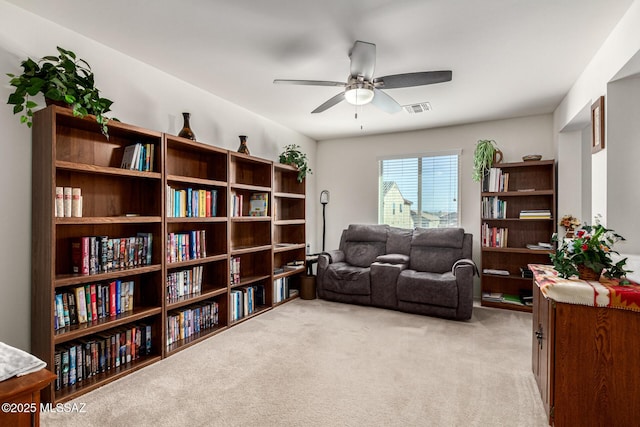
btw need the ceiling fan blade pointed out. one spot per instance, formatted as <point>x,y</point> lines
<point>385,102</point>
<point>412,79</point>
<point>330,103</point>
<point>363,59</point>
<point>309,82</point>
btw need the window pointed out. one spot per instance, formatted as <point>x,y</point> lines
<point>425,188</point>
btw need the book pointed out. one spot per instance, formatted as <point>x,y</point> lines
<point>128,157</point>
<point>258,204</point>
<point>66,201</point>
<point>511,299</point>
<point>76,202</point>
<point>59,202</point>
<point>81,304</point>
<point>495,271</point>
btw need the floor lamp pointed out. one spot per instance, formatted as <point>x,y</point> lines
<point>324,199</point>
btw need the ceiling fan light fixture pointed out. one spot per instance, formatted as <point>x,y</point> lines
<point>358,95</point>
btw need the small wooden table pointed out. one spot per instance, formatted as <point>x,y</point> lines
<point>20,398</point>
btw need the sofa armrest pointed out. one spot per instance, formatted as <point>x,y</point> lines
<point>330,257</point>
<point>393,259</point>
<point>465,263</point>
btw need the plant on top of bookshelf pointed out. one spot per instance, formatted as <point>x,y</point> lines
<point>293,156</point>
<point>591,248</point>
<point>484,156</point>
<point>63,79</point>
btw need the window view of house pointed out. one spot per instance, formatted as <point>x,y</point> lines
<point>419,191</point>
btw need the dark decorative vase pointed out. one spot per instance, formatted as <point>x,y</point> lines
<point>243,145</point>
<point>586,273</point>
<point>186,131</point>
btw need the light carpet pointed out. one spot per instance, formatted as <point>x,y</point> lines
<point>319,363</point>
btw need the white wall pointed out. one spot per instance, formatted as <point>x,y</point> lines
<point>142,96</point>
<point>351,167</point>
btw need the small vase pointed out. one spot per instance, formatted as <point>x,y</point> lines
<point>243,145</point>
<point>186,131</point>
<point>586,273</point>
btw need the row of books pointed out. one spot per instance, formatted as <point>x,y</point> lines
<point>281,289</point>
<point>186,246</point>
<point>82,359</point>
<point>494,237</point>
<point>183,283</point>
<point>496,181</point>
<point>101,254</point>
<point>234,270</point>
<point>246,300</point>
<point>493,207</point>
<point>258,204</point>
<point>138,157</point>
<point>535,214</point>
<point>68,202</point>
<point>185,323</point>
<point>191,203</point>
<point>92,302</point>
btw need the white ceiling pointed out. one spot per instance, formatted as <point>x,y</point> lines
<point>509,57</point>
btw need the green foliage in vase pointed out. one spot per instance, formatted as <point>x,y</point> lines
<point>64,78</point>
<point>483,158</point>
<point>293,156</point>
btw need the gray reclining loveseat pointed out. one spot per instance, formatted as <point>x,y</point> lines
<point>425,271</point>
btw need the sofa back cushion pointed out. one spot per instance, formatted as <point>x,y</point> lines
<point>399,241</point>
<point>364,243</point>
<point>436,249</point>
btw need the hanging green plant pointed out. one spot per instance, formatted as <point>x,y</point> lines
<point>293,156</point>
<point>483,158</point>
<point>63,79</point>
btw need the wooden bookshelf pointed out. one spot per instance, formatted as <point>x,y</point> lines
<point>196,173</point>
<point>250,239</point>
<point>72,152</point>
<point>289,226</point>
<point>531,186</point>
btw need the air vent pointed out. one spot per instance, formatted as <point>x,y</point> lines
<point>417,108</point>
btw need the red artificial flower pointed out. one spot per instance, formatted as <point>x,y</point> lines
<point>580,233</point>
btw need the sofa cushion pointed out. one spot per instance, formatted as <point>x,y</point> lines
<point>362,254</point>
<point>399,241</point>
<point>428,288</point>
<point>436,249</point>
<point>367,233</point>
<point>347,279</point>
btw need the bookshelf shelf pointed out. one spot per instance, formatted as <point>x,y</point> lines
<point>101,379</point>
<point>139,207</point>
<point>105,170</point>
<point>79,279</point>
<point>100,325</point>
<point>193,339</point>
<point>531,186</point>
<point>121,219</point>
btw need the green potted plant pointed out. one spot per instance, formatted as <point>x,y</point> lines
<point>63,79</point>
<point>589,254</point>
<point>483,158</point>
<point>293,156</point>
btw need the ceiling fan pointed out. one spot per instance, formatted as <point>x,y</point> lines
<point>362,88</point>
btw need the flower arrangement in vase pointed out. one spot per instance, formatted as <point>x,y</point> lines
<point>588,254</point>
<point>569,223</point>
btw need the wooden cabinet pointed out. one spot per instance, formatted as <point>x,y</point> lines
<point>531,186</point>
<point>117,204</point>
<point>196,217</point>
<point>586,360</point>
<point>289,241</point>
<point>197,253</point>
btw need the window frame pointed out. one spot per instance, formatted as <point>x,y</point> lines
<point>420,156</point>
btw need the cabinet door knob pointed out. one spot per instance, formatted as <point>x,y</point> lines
<point>539,335</point>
